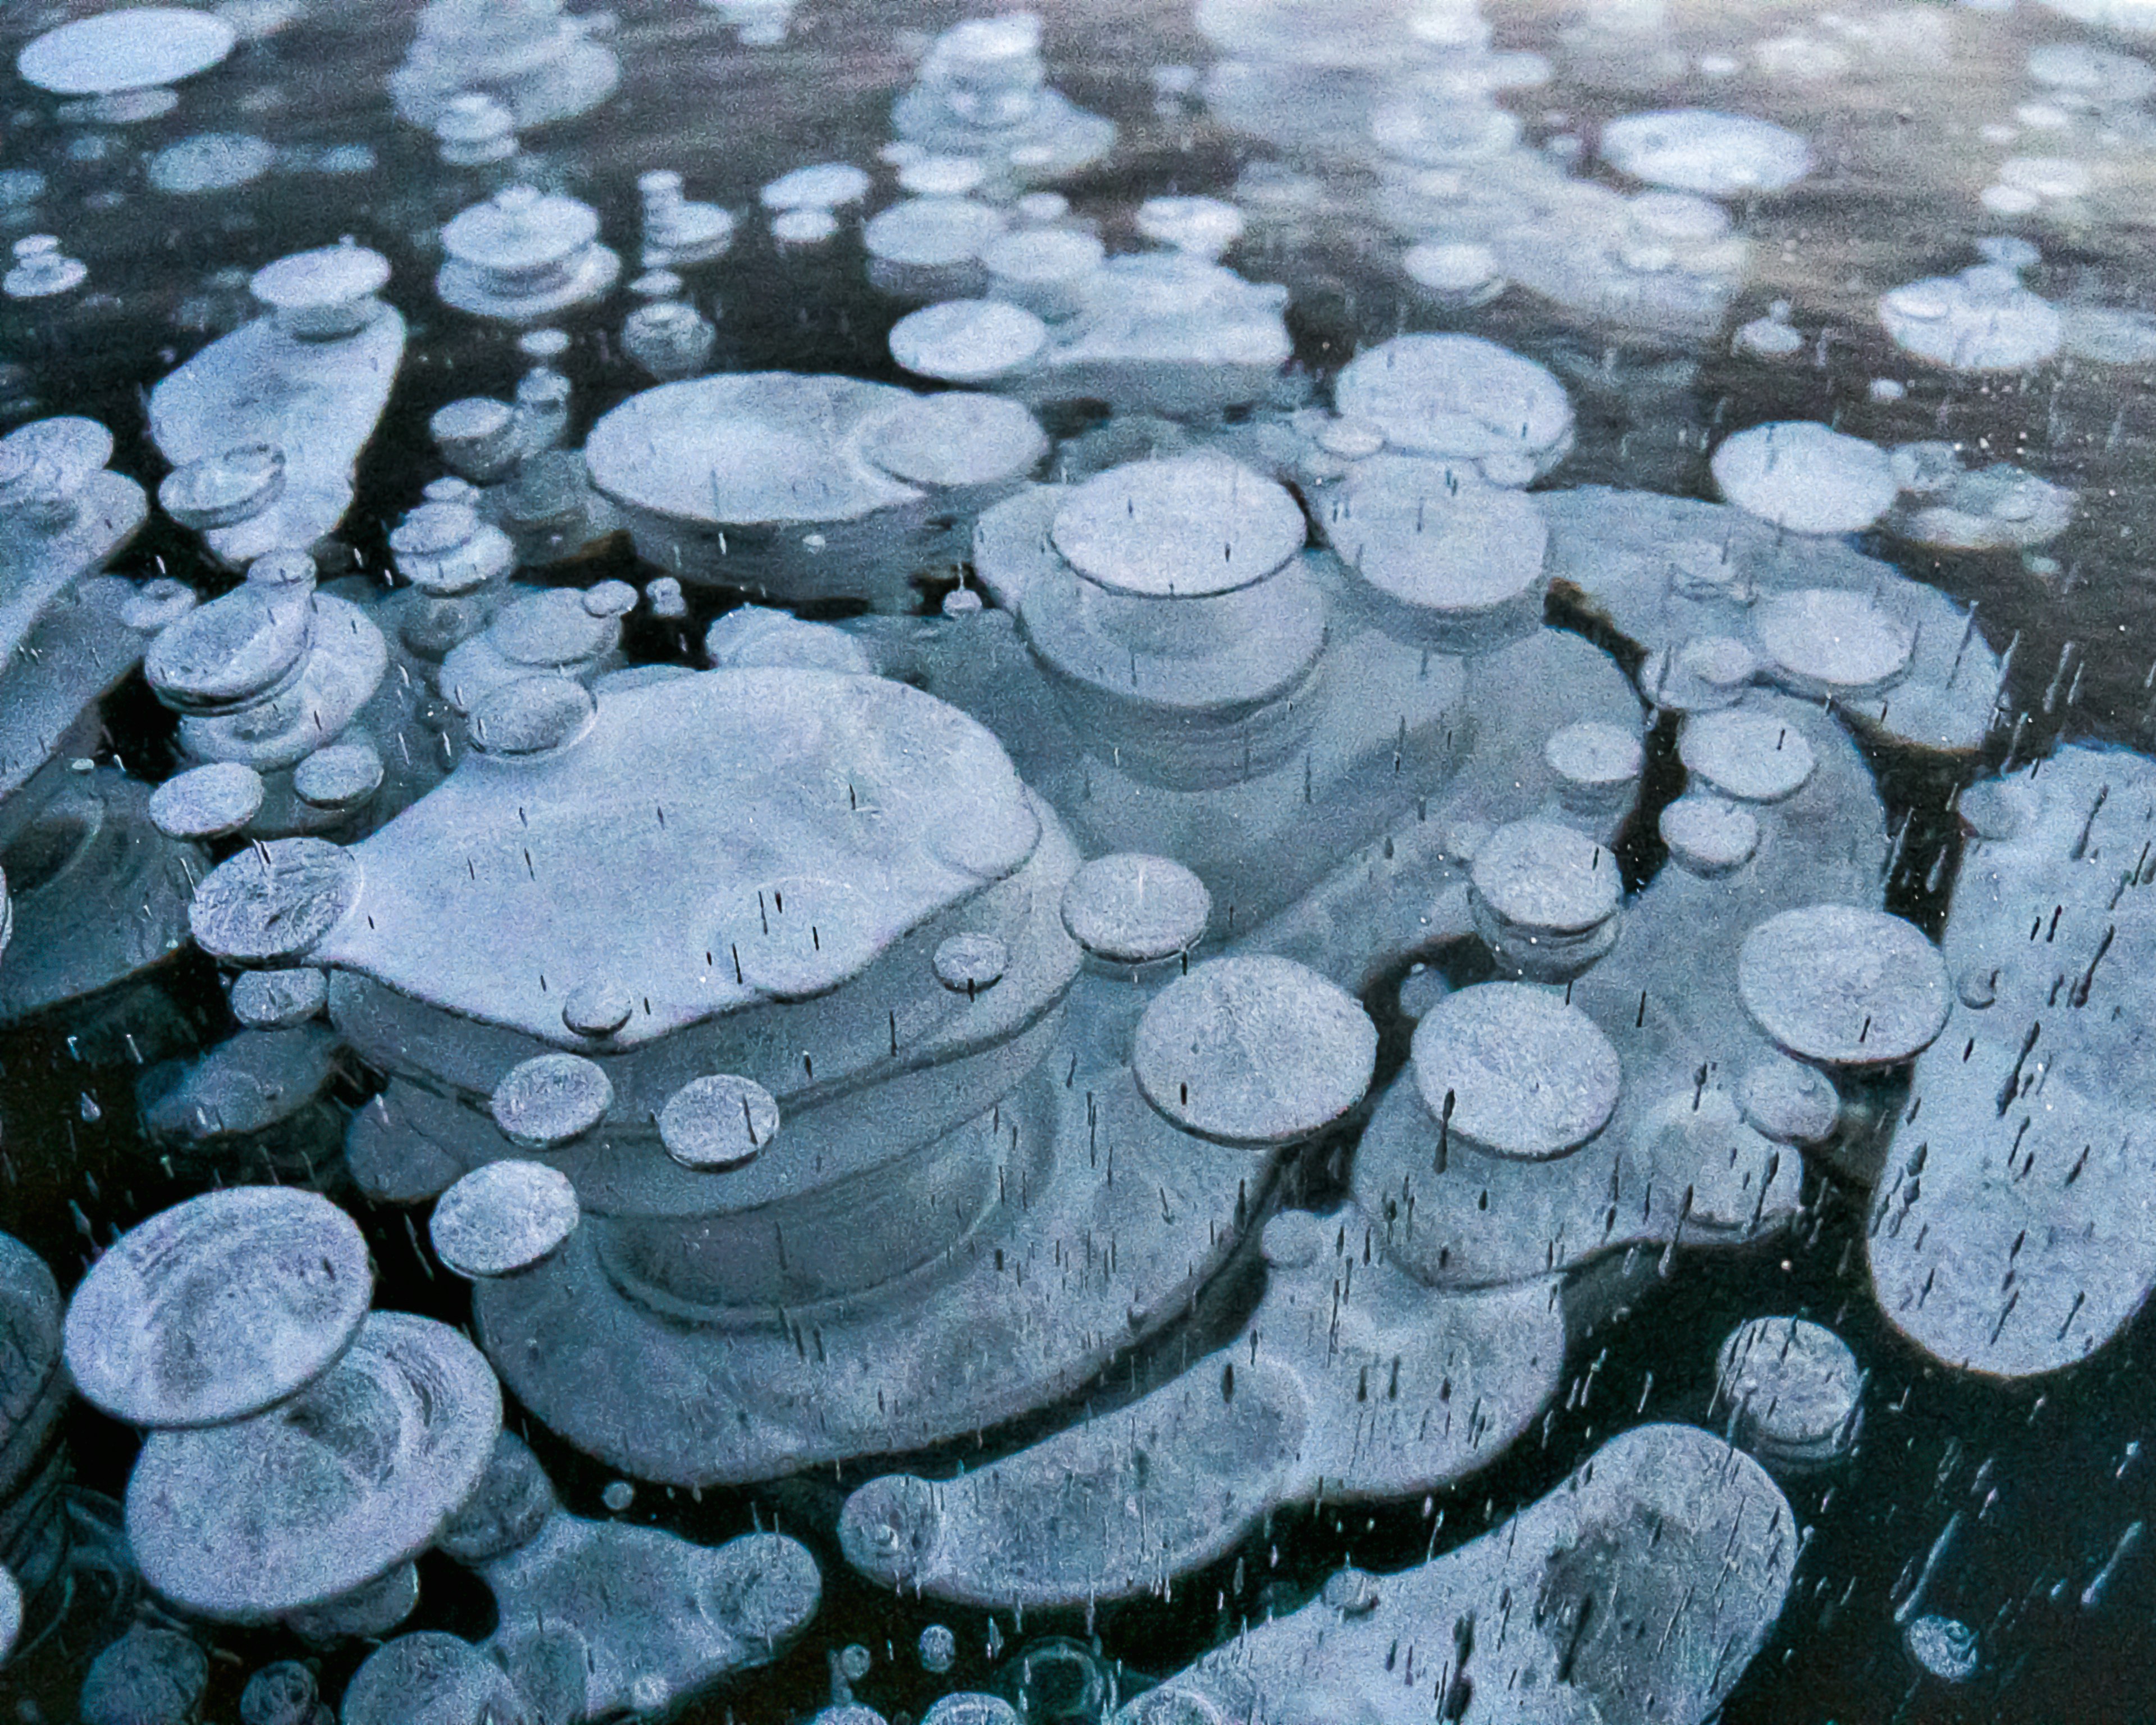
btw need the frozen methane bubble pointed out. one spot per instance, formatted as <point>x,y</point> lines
<point>967,963</point>
<point>269,905</point>
<point>279,1000</point>
<point>1458,398</point>
<point>220,490</point>
<point>343,777</point>
<point>1647,1530</point>
<point>1715,155</point>
<point>1545,898</point>
<point>211,161</point>
<point>1942,1647</point>
<point>1192,527</point>
<point>1130,909</point>
<point>1205,226</point>
<point>524,255</point>
<point>1457,562</point>
<point>1047,271</point>
<point>937,1648</point>
<point>11,1612</point>
<point>1983,320</point>
<point>310,1501</point>
<point>149,1677</point>
<point>219,1307</point>
<point>1514,1071</point>
<point>2094,74</point>
<point>1708,836</point>
<point>543,65</point>
<point>1254,1050</point>
<point>284,1693</point>
<point>208,802</point>
<point>1823,641</point>
<point>1789,1389</point>
<point>503,1218</point>
<point>718,1122</point>
<point>1843,986</point>
<point>1596,764</point>
<point>821,185</point>
<point>1753,757</point>
<point>971,1707</point>
<point>42,269</point>
<point>967,341</point>
<point>430,1678</point>
<point>941,176</point>
<point>1798,475</point>
<point>129,48</point>
<point>1788,1100</point>
<point>546,1101</point>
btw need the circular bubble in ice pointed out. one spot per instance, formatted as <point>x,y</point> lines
<point>1464,557</point>
<point>532,716</point>
<point>1751,756</point>
<point>1458,396</point>
<point>228,652</point>
<point>1254,1050</point>
<point>1798,475</point>
<point>1192,526</point>
<point>502,1218</point>
<point>149,1674</point>
<point>1708,836</point>
<point>207,802</point>
<point>271,1516</point>
<point>941,176</point>
<point>933,232</point>
<point>129,48</point>
<point>938,1649</point>
<point>1982,320</point>
<point>718,1122</point>
<point>821,185</point>
<point>430,1678</point>
<point>1831,641</point>
<point>1842,986</point>
<point>1205,226</point>
<point>1132,909</point>
<point>339,777</point>
<point>279,1000</point>
<point>2095,73</point>
<point>1592,757</point>
<point>1715,155</point>
<point>954,437</point>
<point>211,161</point>
<point>1515,1071</point>
<point>808,226</point>
<point>1945,1647</point>
<point>967,341</point>
<point>219,1307</point>
<point>270,904</point>
<point>1788,1100</point>
<point>1541,877</point>
<point>218,490</point>
<point>544,1102</point>
<point>967,963</point>
<point>1790,1389</point>
<point>284,1693</point>
<point>597,1008</point>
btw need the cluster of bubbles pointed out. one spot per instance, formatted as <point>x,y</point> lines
<point>1118,932</point>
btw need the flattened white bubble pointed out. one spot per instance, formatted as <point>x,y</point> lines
<point>808,226</point>
<point>1254,1050</point>
<point>232,485</point>
<point>597,1008</point>
<point>1945,1647</point>
<point>269,904</point>
<point>821,185</point>
<point>1697,149</point>
<point>933,232</point>
<point>1708,836</point>
<point>955,438</point>
<point>1130,909</point>
<point>1823,640</point>
<point>279,1000</point>
<point>213,161</point>
<point>1461,554</point>
<point>1190,527</point>
<point>2096,73</point>
<point>967,341</point>
<point>149,1677</point>
<point>430,1677</point>
<point>531,716</point>
<point>1788,1100</point>
<point>1515,1071</point>
<point>1983,320</point>
<point>219,1307</point>
<point>1545,878</point>
<point>130,47</point>
<point>207,802</point>
<point>1798,475</point>
<point>1204,226</point>
<point>718,1122</point>
<point>1458,396</point>
<point>1595,760</point>
<point>1790,1388</point>
<point>1751,756</point>
<point>971,1707</point>
<point>941,176</point>
<point>342,776</point>
<point>544,1102</point>
<point>967,963</point>
<point>1843,986</point>
<point>504,1217</point>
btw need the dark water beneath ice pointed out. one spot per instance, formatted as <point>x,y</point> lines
<point>1890,201</point>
